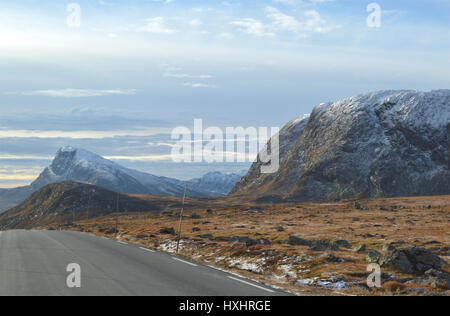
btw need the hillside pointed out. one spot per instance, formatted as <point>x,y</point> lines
<point>383,144</point>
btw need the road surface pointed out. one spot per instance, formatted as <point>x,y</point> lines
<point>35,263</point>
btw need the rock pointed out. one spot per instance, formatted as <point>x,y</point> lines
<point>209,211</point>
<point>297,241</point>
<point>423,259</point>
<point>263,241</point>
<point>323,245</point>
<point>373,256</point>
<point>334,259</point>
<point>221,238</point>
<point>357,206</point>
<point>111,231</point>
<point>279,228</point>
<point>439,277</point>
<point>167,231</point>
<point>413,260</point>
<point>388,247</point>
<point>397,260</point>
<point>343,243</point>
<point>360,248</point>
<point>206,236</point>
<point>367,235</point>
<point>248,241</point>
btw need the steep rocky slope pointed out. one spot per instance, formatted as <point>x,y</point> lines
<point>382,144</point>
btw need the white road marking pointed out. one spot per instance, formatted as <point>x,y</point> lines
<point>248,283</point>
<point>192,264</point>
<point>122,242</point>
<point>146,249</point>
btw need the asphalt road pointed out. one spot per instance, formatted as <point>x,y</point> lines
<point>35,263</point>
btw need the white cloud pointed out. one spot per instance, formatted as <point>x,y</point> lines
<point>74,93</point>
<point>187,76</point>
<point>157,26</point>
<point>281,22</point>
<point>195,22</point>
<point>86,134</point>
<point>252,27</point>
<point>313,22</point>
<point>197,85</point>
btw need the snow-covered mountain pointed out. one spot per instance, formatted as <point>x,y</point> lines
<point>388,143</point>
<point>216,183</point>
<point>79,165</point>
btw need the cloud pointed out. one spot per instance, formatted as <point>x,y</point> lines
<point>74,93</point>
<point>313,22</point>
<point>281,22</point>
<point>157,26</point>
<point>198,85</point>
<point>184,76</point>
<point>80,134</point>
<point>252,27</point>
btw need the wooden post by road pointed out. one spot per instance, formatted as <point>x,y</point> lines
<point>181,219</point>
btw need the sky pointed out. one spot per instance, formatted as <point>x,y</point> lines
<point>121,79</point>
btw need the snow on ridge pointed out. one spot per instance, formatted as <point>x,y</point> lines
<point>300,118</point>
<point>415,108</point>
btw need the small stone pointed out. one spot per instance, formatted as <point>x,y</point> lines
<point>373,256</point>
<point>360,248</point>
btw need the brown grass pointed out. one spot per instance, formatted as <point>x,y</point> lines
<point>421,221</point>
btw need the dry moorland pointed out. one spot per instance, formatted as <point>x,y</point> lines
<point>306,248</point>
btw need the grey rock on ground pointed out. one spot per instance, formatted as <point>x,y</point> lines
<point>412,260</point>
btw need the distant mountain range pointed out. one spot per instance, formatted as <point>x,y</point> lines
<point>382,144</point>
<point>79,165</point>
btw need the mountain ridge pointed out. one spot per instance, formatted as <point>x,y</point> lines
<point>380,144</point>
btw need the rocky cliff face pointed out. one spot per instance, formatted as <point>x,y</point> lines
<point>383,144</point>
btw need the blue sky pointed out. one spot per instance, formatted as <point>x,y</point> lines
<point>133,70</point>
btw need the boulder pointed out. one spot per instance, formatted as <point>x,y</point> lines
<point>343,243</point>
<point>413,260</point>
<point>297,241</point>
<point>323,245</point>
<point>167,231</point>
